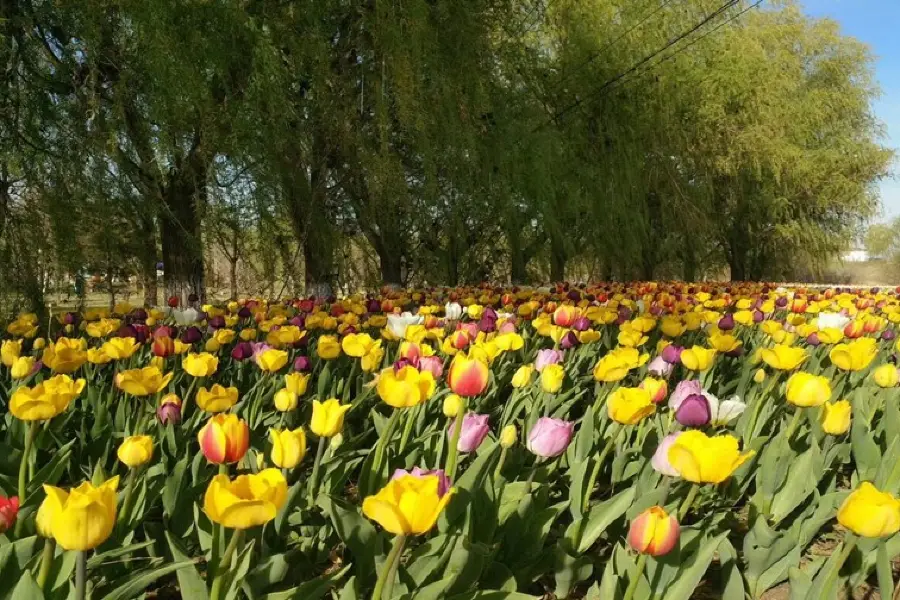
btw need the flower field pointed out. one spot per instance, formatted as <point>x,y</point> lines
<point>615,441</point>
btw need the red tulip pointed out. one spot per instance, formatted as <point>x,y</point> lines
<point>9,508</point>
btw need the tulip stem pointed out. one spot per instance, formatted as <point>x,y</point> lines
<point>792,426</point>
<point>639,570</point>
<point>225,564</point>
<point>411,414</point>
<point>46,562</point>
<point>80,574</point>
<point>500,463</point>
<point>453,452</point>
<point>849,545</point>
<point>380,445</point>
<point>385,582</point>
<point>314,480</point>
<point>128,503</point>
<point>688,501</point>
<point>23,471</point>
<point>595,472</point>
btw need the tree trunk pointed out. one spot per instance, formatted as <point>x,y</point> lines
<point>232,278</point>
<point>318,256</point>
<point>181,235</point>
<point>558,259</point>
<point>391,268</point>
<point>518,264</point>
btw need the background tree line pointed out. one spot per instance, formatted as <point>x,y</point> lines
<point>278,147</point>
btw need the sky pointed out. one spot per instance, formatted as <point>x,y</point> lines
<point>877,23</point>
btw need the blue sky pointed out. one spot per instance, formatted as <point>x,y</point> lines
<point>876,22</point>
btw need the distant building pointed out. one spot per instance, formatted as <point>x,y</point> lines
<point>856,255</point>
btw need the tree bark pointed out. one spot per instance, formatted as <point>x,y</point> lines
<point>180,230</point>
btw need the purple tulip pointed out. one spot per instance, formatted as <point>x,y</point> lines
<point>888,335</point>
<point>781,302</point>
<point>400,363</point>
<point>242,351</point>
<point>726,323</point>
<point>660,461</point>
<point>574,295</point>
<point>443,480</point>
<point>432,364</point>
<point>487,325</point>
<point>568,341</point>
<point>139,314</point>
<point>302,364</point>
<point>373,306</point>
<point>758,316</point>
<point>682,391</point>
<point>813,339</point>
<point>70,318</point>
<point>127,331</point>
<point>547,357</point>
<point>475,428</point>
<point>581,323</point>
<point>693,411</point>
<point>170,412</point>
<point>244,312</point>
<point>659,367</point>
<point>217,322</point>
<point>672,354</point>
<point>191,335</point>
<point>509,326</point>
<point>550,437</point>
<point>490,314</point>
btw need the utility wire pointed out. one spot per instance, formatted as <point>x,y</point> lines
<point>722,9</point>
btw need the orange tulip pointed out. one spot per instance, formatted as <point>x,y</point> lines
<point>224,439</point>
<point>653,532</point>
<point>468,377</point>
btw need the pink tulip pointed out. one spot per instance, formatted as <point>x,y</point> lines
<point>432,364</point>
<point>684,389</point>
<point>547,357</point>
<point>550,437</point>
<point>475,428</point>
<point>660,461</point>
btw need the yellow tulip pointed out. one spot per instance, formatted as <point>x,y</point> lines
<point>371,361</point>
<point>102,328</point>
<point>143,382</point>
<point>45,400</point>
<point>702,459</point>
<point>552,378</point>
<point>615,365</point>
<point>80,519</point>
<point>180,347</point>
<point>203,364</point>
<point>328,417</point>
<point>272,360</point>
<point>22,367</point>
<point>296,382</point>
<point>66,355</point>
<point>247,501</point>
<point>10,350</point>
<point>98,356</point>
<point>805,389</point>
<point>248,334</point>
<point>697,358</point>
<point>406,387</point>
<point>724,342</point>
<point>629,405</point>
<point>357,345</point>
<point>451,406</point>
<point>135,450</point>
<point>522,376</point>
<point>328,347</point>
<point>870,513</point>
<point>886,376</point>
<point>120,348</point>
<point>223,336</point>
<point>288,447</point>
<point>855,356</point>
<point>216,399</point>
<point>759,376</point>
<point>408,504</point>
<point>783,358</point>
<point>508,436</point>
<point>285,400</point>
<point>836,417</point>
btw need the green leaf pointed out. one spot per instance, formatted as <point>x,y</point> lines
<point>569,571</point>
<point>173,486</point>
<point>865,450</point>
<point>97,560</point>
<point>884,571</point>
<point>136,584</point>
<point>583,533</point>
<point>27,588</point>
<point>803,477</point>
<point>237,573</point>
<point>189,580</point>
<point>357,532</point>
<point>493,595</point>
<point>686,584</point>
<point>312,589</point>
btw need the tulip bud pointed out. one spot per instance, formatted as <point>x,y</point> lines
<point>672,354</point>
<point>653,532</point>
<point>759,376</point>
<point>886,376</point>
<point>836,417</point>
<point>694,411</point>
<point>726,323</point>
<point>39,343</point>
<point>212,345</point>
<point>169,410</point>
<point>285,400</point>
<point>550,437</point>
<point>452,404</point>
<point>288,447</point>
<point>475,428</point>
<point>135,451</point>
<point>9,509</point>
<point>336,442</point>
<point>302,364</point>
<point>22,367</point>
<point>508,436</point>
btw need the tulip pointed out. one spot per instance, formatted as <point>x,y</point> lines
<point>721,412</point>
<point>682,390</point>
<point>285,400</point>
<point>694,411</point>
<point>836,417</point>
<point>522,376</point>
<point>660,461</point>
<point>246,501</point>
<point>702,459</point>
<point>406,387</point>
<point>552,378</point>
<point>565,315</point>
<point>443,480</point>
<point>143,382</point>
<point>759,376</point>
<point>657,388</point>
<point>9,509</point>
<point>120,348</point>
<point>508,436</point>
<point>169,410</point>
<point>288,447</point>
<point>422,504</point>
<point>453,311</point>
<point>886,376</point>
<point>302,364</point>
<point>431,364</point>
<point>659,367</point>
<point>549,437</point>
<point>271,360</point>
<point>224,439</point>
<point>698,358</point>
<point>45,400</point>
<point>783,358</point>
<point>242,351</point>
<point>467,376</point>
<point>855,356</point>
<point>672,354</point>
<point>451,406</point>
<point>66,355</point>
<point>805,389</point>
<point>547,357</point>
<point>328,417</point>
<point>216,399</point>
<point>475,428</point>
<point>135,450</point>
<point>629,406</point>
<point>653,532</point>
<point>870,512</point>
<point>200,365</point>
<point>10,350</point>
<point>80,519</point>
<point>22,367</point>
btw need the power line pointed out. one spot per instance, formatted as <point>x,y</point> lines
<point>722,9</point>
